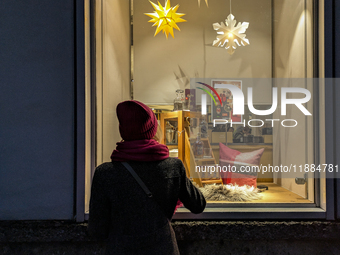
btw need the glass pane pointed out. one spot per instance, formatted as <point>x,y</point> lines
<point>280,35</point>
<point>273,55</point>
<point>268,145</point>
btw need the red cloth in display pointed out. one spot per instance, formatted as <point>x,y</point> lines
<point>230,158</point>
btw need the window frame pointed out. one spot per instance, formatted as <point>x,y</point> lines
<point>231,211</point>
<point>79,110</point>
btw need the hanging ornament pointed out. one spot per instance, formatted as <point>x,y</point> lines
<point>165,18</point>
<point>199,2</point>
<point>230,36</point>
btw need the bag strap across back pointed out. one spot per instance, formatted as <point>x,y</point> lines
<point>135,175</point>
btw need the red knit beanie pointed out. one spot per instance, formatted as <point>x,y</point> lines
<point>136,121</point>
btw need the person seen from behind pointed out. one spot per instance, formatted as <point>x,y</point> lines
<point>121,211</point>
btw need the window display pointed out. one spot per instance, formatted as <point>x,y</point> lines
<point>244,122</point>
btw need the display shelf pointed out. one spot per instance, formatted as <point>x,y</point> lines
<point>183,126</point>
<point>204,159</point>
<point>172,146</point>
<point>205,162</point>
<point>185,152</point>
<point>180,117</point>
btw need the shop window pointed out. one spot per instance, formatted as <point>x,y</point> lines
<point>278,149</point>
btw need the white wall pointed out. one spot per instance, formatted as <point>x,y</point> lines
<point>293,59</point>
<point>113,70</point>
<point>163,65</point>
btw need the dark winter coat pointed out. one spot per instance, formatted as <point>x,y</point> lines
<point>132,222</point>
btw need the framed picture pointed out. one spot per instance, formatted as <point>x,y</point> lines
<point>190,99</point>
<point>225,111</point>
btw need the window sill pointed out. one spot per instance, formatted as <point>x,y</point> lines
<point>238,213</point>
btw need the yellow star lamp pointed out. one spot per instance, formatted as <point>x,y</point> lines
<point>165,18</point>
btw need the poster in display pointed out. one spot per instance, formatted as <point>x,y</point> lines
<point>190,99</point>
<point>225,111</point>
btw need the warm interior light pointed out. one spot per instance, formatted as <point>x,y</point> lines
<point>199,2</point>
<point>231,33</point>
<point>165,18</point>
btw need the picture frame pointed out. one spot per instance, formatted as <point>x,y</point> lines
<point>225,111</point>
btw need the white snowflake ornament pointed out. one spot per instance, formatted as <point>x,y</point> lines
<point>230,36</point>
<point>199,2</point>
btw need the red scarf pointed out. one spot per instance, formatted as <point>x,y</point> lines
<point>140,150</point>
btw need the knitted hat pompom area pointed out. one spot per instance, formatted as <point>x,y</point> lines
<point>136,121</point>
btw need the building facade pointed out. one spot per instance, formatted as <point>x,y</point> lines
<point>55,59</point>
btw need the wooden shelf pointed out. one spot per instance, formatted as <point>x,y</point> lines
<point>183,125</point>
<point>202,162</point>
<point>185,152</point>
<point>171,146</point>
<point>204,159</point>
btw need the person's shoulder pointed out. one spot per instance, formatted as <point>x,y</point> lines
<point>173,161</point>
<point>172,166</point>
<point>105,168</point>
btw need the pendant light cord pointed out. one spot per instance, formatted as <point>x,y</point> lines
<point>230,6</point>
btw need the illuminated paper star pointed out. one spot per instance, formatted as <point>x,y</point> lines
<point>165,18</point>
<point>230,36</point>
<point>199,2</point>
